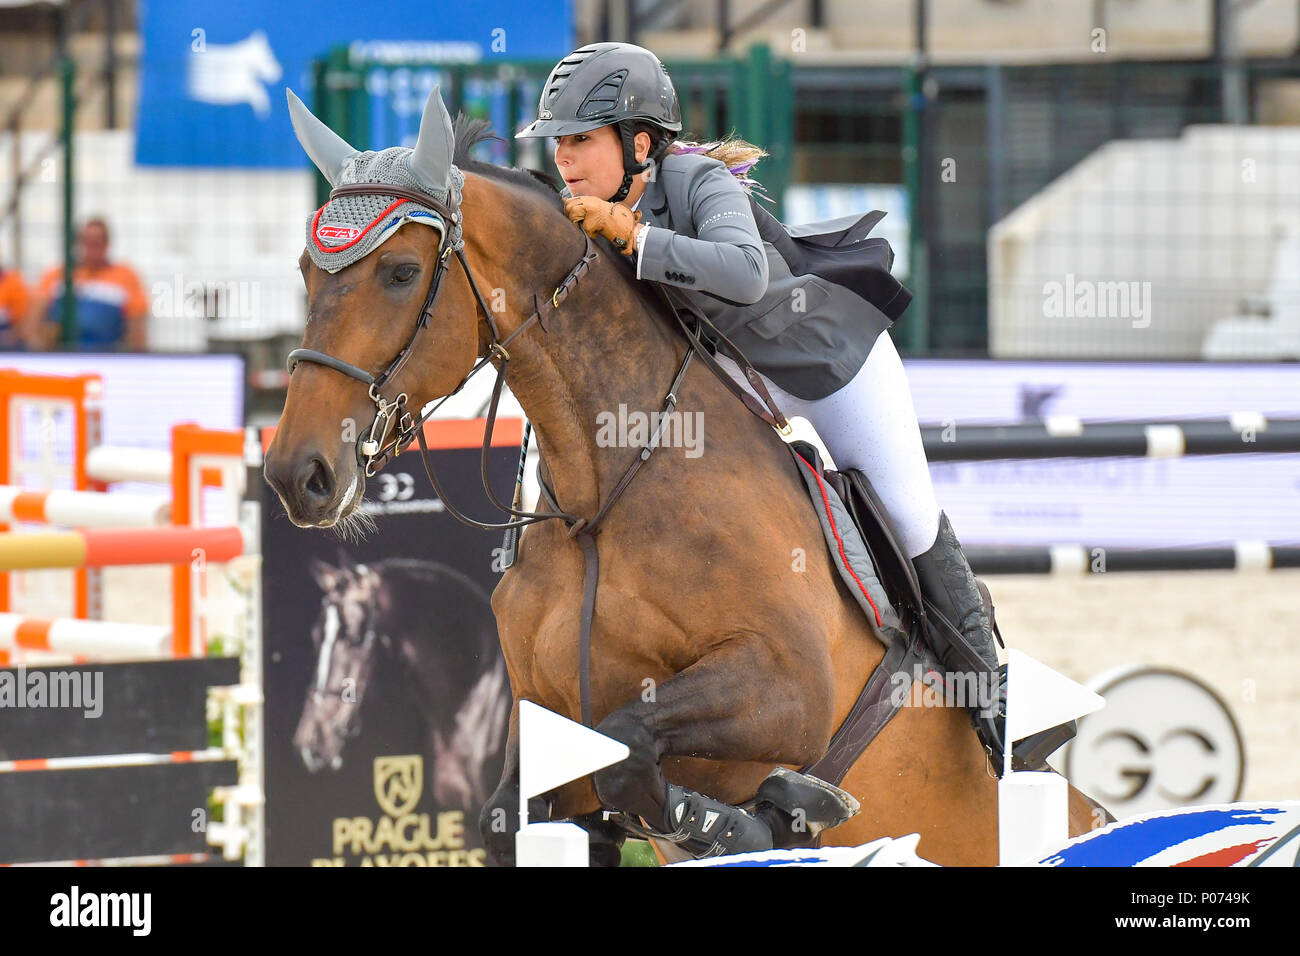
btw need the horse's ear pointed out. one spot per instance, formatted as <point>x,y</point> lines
<point>431,158</point>
<point>327,149</point>
<point>325,575</point>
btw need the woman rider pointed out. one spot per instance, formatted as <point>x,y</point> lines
<point>813,327</point>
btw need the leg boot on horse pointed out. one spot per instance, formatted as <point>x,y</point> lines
<point>789,808</point>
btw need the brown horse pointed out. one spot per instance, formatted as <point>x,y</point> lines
<point>717,654</point>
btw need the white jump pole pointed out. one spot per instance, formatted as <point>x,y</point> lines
<point>1033,816</point>
<point>73,636</point>
<point>1033,806</point>
<point>83,509</point>
<point>110,463</point>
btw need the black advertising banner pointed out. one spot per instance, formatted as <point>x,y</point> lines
<point>387,700</point>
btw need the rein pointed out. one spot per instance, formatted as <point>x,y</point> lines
<point>373,453</point>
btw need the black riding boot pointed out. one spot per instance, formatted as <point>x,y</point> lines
<point>961,634</point>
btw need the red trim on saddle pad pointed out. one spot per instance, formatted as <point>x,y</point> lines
<point>839,541</point>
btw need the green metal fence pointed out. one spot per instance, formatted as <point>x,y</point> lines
<point>959,146</point>
<point>378,104</point>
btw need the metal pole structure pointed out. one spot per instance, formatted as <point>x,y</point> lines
<point>16,157</point>
<point>757,100</point>
<point>766,114</point>
<point>1227,56</point>
<point>996,100</point>
<point>780,142</point>
<point>915,331</point>
<point>69,318</point>
<point>110,64</point>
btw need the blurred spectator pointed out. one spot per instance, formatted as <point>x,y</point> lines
<point>110,302</point>
<point>13,308</point>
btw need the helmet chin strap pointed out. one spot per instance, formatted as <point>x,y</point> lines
<point>630,166</point>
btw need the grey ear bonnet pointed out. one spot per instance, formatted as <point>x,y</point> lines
<point>347,229</point>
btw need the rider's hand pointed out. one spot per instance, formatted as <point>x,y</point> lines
<point>600,217</point>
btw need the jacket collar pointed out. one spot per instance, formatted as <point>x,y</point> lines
<point>654,198</point>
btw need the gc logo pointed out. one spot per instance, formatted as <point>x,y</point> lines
<point>1163,740</point>
<point>395,487</point>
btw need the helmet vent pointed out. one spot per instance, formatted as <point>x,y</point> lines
<point>603,97</point>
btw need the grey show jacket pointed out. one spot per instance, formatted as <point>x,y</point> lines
<point>804,303</point>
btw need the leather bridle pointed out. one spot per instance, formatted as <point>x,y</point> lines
<point>373,453</point>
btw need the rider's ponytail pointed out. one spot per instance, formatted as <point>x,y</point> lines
<point>736,154</point>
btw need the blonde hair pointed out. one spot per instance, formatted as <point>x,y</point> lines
<point>733,152</point>
<point>736,154</point>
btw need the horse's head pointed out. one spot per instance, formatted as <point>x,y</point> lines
<point>346,636</point>
<point>376,269</point>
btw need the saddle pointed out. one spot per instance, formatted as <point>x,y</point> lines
<point>864,547</point>
<point>872,523</point>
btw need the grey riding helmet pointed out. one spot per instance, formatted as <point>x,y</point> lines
<point>607,83</point>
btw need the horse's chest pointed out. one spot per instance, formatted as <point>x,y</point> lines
<point>538,606</point>
<point>539,616</point>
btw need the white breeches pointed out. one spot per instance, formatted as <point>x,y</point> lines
<point>870,424</point>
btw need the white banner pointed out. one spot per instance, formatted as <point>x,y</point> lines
<point>1121,502</point>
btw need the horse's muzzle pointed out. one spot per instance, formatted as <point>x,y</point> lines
<point>308,487</point>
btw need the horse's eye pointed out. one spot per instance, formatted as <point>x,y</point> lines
<point>405,273</point>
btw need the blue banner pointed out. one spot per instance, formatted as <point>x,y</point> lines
<point>212,80</point>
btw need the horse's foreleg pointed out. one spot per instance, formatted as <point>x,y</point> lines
<point>498,821</point>
<point>752,704</point>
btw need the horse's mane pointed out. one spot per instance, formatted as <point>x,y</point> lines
<point>468,133</point>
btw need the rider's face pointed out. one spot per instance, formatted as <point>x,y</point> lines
<point>591,163</point>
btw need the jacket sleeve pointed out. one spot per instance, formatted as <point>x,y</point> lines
<point>727,260</point>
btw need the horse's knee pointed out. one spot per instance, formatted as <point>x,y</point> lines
<point>634,785</point>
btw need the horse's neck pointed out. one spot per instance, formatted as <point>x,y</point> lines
<point>605,349</point>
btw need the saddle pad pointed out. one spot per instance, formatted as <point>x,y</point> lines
<point>849,553</point>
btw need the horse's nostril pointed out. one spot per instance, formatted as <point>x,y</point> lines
<point>315,479</point>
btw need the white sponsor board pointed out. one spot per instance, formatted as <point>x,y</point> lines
<point>1123,502</point>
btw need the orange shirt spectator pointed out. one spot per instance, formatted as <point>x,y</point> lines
<point>13,308</point>
<point>110,303</point>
